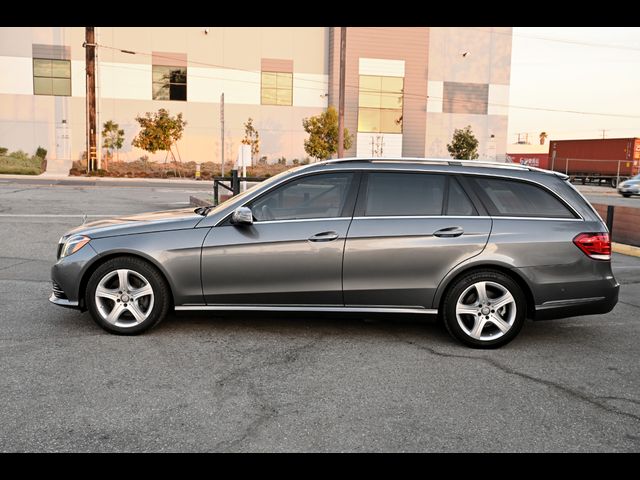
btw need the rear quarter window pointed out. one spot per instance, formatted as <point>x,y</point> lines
<point>512,198</point>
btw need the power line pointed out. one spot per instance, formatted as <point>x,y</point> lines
<point>407,94</point>
<point>561,40</point>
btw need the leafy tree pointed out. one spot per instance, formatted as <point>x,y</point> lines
<point>323,134</point>
<point>543,137</point>
<point>112,137</point>
<point>464,144</point>
<point>251,137</point>
<point>159,131</point>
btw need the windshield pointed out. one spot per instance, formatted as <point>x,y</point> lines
<point>637,177</point>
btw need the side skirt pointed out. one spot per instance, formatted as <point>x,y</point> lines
<point>307,308</point>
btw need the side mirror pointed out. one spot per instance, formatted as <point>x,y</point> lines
<point>242,216</point>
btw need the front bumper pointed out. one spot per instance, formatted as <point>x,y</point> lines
<point>66,276</point>
<point>63,302</point>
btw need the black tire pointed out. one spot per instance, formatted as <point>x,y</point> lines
<point>614,182</point>
<point>161,294</point>
<point>626,195</point>
<point>462,284</point>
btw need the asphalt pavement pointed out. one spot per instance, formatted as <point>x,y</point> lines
<point>290,382</point>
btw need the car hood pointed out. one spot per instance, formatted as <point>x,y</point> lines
<point>141,223</point>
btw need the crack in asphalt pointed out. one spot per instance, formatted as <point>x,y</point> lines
<point>267,411</point>
<point>563,389</point>
<point>622,399</point>
<point>630,304</point>
<point>16,264</point>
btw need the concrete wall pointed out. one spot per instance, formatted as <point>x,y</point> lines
<point>408,44</point>
<point>229,60</point>
<point>226,59</point>
<point>479,57</point>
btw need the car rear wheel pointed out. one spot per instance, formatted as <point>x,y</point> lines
<point>127,296</point>
<point>484,309</point>
<point>626,195</point>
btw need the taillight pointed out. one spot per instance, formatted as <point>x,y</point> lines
<point>595,245</point>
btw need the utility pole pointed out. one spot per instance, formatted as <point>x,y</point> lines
<point>222,135</point>
<point>603,130</point>
<point>343,55</point>
<point>90,51</point>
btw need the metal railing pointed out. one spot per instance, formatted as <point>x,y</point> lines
<point>233,184</point>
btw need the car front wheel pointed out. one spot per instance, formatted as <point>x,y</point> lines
<point>127,296</point>
<point>484,309</point>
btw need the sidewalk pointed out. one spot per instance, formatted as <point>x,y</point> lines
<point>55,178</point>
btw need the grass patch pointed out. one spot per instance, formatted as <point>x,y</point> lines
<point>19,163</point>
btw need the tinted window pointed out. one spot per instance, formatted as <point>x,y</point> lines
<point>458,202</point>
<point>520,199</point>
<point>404,194</point>
<point>315,196</point>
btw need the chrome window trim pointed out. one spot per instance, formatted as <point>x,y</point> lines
<point>374,168</point>
<point>309,308</point>
<point>466,217</point>
<point>291,220</point>
<point>383,217</point>
<point>556,219</point>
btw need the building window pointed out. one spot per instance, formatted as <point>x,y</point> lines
<point>380,104</point>
<point>461,97</point>
<point>51,77</point>
<point>277,88</point>
<point>169,83</point>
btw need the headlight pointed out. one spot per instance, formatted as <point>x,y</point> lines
<point>73,244</point>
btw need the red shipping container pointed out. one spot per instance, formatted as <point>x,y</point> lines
<point>605,158</point>
<point>539,160</point>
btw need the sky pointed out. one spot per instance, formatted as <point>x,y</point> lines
<point>599,71</point>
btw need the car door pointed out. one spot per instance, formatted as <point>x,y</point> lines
<point>291,254</point>
<point>408,231</point>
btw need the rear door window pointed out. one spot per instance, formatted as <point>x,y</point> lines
<point>404,194</point>
<point>512,198</point>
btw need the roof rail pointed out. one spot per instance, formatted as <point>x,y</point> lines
<point>434,161</point>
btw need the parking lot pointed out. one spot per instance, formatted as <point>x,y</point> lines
<point>287,382</point>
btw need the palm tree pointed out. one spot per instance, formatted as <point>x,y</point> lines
<point>543,137</point>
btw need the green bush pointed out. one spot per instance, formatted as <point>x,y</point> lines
<point>21,164</point>
<point>41,152</point>
<point>3,151</point>
<point>20,156</point>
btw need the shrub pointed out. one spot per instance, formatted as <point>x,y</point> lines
<point>20,155</point>
<point>3,151</point>
<point>41,152</point>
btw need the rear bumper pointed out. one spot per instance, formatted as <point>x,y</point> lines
<point>579,306</point>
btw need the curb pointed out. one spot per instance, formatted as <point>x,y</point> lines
<point>625,249</point>
<point>124,180</point>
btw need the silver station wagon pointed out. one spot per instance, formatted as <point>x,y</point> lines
<point>481,245</point>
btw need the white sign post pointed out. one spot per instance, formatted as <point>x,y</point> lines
<point>244,159</point>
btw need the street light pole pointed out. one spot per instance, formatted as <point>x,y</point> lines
<point>222,135</point>
<point>90,58</point>
<point>343,54</point>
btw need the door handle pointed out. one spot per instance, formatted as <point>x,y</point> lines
<point>324,237</point>
<point>449,232</point>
